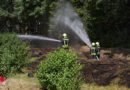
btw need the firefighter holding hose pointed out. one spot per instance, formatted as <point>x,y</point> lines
<point>93,51</point>
<point>65,41</point>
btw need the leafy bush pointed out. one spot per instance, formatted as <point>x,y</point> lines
<point>13,53</point>
<point>60,71</point>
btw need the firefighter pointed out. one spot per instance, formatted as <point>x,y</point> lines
<point>65,41</point>
<point>93,51</point>
<point>97,46</point>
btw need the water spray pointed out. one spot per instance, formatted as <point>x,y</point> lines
<point>67,20</point>
<point>37,37</point>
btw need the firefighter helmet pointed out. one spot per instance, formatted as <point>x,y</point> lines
<point>97,43</point>
<point>93,44</point>
<point>64,35</point>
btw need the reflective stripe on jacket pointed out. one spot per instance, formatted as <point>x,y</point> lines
<point>65,42</point>
<point>93,51</point>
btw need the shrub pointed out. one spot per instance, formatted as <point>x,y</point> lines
<point>60,71</point>
<point>13,53</point>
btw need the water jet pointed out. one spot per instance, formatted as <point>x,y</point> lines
<point>67,20</point>
<point>34,37</point>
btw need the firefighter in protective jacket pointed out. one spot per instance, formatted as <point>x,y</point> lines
<point>93,51</point>
<point>97,46</point>
<point>65,41</point>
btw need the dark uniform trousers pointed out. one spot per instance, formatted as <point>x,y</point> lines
<point>98,51</point>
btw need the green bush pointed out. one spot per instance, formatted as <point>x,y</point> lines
<point>60,71</point>
<point>13,53</point>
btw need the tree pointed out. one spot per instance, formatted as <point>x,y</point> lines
<point>28,14</point>
<point>6,14</point>
<point>33,13</point>
<point>106,21</point>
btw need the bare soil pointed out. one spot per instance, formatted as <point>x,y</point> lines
<point>40,53</point>
<point>113,67</point>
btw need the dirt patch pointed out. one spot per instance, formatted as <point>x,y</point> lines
<point>40,53</point>
<point>113,67</point>
<point>104,72</point>
<point>105,53</point>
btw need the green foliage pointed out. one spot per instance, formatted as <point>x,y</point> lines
<point>13,53</point>
<point>106,21</point>
<point>26,13</point>
<point>27,9</point>
<point>6,8</point>
<point>60,71</point>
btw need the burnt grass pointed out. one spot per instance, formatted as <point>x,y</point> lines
<point>40,54</point>
<point>103,72</point>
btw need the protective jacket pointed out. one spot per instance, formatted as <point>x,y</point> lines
<point>65,42</point>
<point>97,49</point>
<point>93,51</point>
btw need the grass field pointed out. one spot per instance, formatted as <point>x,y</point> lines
<point>95,87</point>
<point>23,82</point>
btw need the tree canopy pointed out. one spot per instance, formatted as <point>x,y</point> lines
<point>106,21</point>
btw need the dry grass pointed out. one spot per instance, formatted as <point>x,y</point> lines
<point>21,82</point>
<point>110,87</point>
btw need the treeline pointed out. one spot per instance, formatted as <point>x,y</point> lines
<point>25,15</point>
<point>106,21</point>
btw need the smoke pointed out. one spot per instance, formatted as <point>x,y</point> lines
<point>67,20</point>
